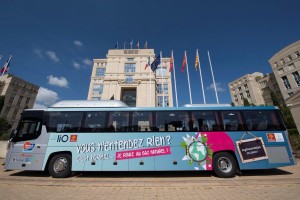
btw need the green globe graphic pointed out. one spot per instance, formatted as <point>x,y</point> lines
<point>197,151</point>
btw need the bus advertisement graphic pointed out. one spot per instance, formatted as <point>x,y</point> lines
<point>251,150</point>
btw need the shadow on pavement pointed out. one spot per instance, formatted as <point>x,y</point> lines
<point>153,174</point>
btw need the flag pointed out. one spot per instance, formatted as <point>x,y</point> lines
<point>155,63</point>
<point>5,66</point>
<point>117,45</point>
<point>131,43</point>
<point>138,45</point>
<point>183,63</point>
<point>197,61</point>
<point>171,63</point>
<point>145,46</point>
<point>148,63</point>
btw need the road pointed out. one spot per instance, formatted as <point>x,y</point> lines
<point>282,183</point>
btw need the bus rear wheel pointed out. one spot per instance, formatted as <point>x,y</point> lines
<point>224,165</point>
<point>60,166</point>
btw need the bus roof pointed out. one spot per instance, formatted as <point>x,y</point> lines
<point>89,104</point>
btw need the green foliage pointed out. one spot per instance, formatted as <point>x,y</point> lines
<point>4,129</point>
<point>246,102</point>
<point>287,117</point>
<point>293,131</point>
<point>232,103</point>
<point>295,142</point>
<point>274,99</point>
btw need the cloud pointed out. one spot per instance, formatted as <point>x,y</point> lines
<point>45,98</point>
<point>218,86</point>
<point>52,55</point>
<point>76,65</point>
<point>78,43</point>
<point>87,61</point>
<point>58,81</point>
<point>38,52</point>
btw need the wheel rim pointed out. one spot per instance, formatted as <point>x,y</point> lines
<point>60,164</point>
<point>224,164</point>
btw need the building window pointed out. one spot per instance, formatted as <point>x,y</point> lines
<point>275,64</point>
<point>289,58</point>
<point>282,61</point>
<point>98,89</point>
<point>100,71</point>
<point>290,93</point>
<point>286,83</point>
<point>20,100</point>
<point>161,71</point>
<point>297,54</point>
<point>129,67</point>
<point>236,98</point>
<point>263,83</point>
<point>239,88</point>
<point>129,79</point>
<point>162,88</point>
<point>130,59</point>
<point>297,78</point>
<point>160,102</point>
<point>96,98</point>
<point>27,101</point>
<point>246,86</point>
<point>248,94</point>
<point>242,96</point>
<point>7,110</point>
<point>11,100</point>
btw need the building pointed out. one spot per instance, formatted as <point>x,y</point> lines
<point>19,95</point>
<point>286,67</point>
<point>122,75</point>
<point>256,88</point>
<point>294,104</point>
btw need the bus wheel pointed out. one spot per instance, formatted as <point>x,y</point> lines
<point>224,165</point>
<point>60,166</point>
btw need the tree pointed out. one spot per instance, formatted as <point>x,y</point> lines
<point>274,99</point>
<point>4,129</point>
<point>246,102</point>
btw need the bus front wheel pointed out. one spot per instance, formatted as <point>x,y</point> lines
<point>60,166</point>
<point>224,165</point>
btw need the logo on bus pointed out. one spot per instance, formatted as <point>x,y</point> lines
<point>27,147</point>
<point>65,138</point>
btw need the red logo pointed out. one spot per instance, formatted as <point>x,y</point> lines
<point>73,138</point>
<point>271,137</point>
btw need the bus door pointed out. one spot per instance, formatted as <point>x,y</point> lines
<point>28,145</point>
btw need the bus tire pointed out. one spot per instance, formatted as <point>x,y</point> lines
<point>60,166</point>
<point>224,165</point>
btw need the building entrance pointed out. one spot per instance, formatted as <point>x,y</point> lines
<point>128,96</point>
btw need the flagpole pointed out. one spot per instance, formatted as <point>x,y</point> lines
<point>5,66</point>
<point>188,76</point>
<point>162,79</point>
<point>200,72</point>
<point>174,78</point>
<point>212,73</point>
<point>150,83</point>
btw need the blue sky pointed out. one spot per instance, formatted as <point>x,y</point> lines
<point>54,42</point>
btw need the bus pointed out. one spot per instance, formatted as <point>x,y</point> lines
<point>72,136</point>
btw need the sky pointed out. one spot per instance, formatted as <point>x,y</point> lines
<point>53,43</point>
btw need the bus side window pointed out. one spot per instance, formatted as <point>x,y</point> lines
<point>232,121</point>
<point>95,122</point>
<point>141,121</point>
